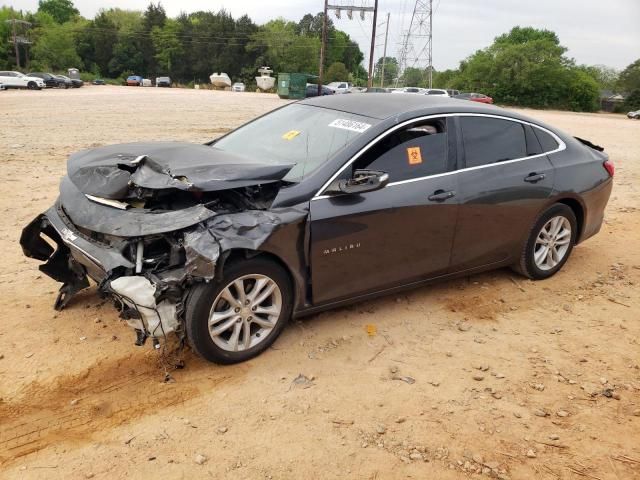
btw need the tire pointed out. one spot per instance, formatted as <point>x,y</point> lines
<point>541,266</point>
<point>32,86</point>
<point>210,298</point>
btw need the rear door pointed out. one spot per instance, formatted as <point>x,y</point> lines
<point>503,185</point>
<point>396,235</point>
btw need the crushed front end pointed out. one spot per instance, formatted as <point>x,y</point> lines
<point>145,243</point>
<point>148,276</point>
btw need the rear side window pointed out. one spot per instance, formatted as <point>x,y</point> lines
<point>415,151</point>
<point>533,145</point>
<point>547,141</point>
<point>491,140</point>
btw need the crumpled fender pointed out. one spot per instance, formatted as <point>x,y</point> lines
<point>248,230</point>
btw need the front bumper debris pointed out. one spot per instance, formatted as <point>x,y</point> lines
<point>149,275</point>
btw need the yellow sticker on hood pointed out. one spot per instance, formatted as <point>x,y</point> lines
<point>291,134</point>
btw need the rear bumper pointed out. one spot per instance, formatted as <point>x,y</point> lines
<point>595,201</point>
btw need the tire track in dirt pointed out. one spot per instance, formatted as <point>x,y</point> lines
<point>102,397</point>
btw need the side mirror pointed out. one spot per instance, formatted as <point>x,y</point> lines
<point>362,181</point>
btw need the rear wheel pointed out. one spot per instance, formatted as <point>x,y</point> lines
<point>549,244</point>
<point>241,315</point>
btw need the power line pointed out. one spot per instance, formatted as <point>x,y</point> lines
<point>349,9</point>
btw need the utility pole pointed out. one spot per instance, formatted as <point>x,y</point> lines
<point>18,39</point>
<point>430,43</point>
<point>373,44</point>
<point>349,9</point>
<point>15,44</point>
<point>323,47</point>
<point>384,55</point>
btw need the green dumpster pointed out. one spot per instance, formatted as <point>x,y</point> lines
<point>292,85</point>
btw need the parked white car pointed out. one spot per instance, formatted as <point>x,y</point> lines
<point>634,115</point>
<point>238,87</point>
<point>408,90</point>
<point>438,92</point>
<point>340,87</point>
<point>11,79</point>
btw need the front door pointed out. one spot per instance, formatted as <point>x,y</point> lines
<point>362,243</point>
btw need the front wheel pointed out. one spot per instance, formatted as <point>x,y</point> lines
<point>549,244</point>
<point>32,86</point>
<point>238,317</point>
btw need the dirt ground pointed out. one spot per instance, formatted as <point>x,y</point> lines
<point>491,376</point>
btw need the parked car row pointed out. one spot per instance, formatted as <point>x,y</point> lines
<point>37,80</point>
<point>139,81</point>
<point>437,92</point>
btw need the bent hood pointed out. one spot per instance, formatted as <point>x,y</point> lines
<point>113,171</point>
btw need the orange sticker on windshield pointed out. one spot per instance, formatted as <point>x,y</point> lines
<point>291,134</point>
<point>414,155</point>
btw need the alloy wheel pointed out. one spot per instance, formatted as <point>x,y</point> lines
<point>552,243</point>
<point>244,312</point>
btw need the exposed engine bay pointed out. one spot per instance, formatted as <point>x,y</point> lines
<point>147,221</point>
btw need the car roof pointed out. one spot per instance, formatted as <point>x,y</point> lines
<point>385,106</point>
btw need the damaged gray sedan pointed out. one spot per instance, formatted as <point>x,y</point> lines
<point>317,204</point>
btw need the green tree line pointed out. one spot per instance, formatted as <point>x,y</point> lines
<point>526,67</point>
<point>117,43</point>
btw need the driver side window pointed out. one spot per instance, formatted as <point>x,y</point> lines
<point>414,151</point>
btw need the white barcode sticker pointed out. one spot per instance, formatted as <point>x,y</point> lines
<point>349,125</point>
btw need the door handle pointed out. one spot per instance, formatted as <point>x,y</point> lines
<point>441,195</point>
<point>534,177</point>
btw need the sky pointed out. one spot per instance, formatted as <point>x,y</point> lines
<point>595,32</point>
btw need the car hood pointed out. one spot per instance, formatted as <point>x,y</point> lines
<point>112,172</point>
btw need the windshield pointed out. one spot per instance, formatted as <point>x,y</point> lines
<point>300,134</point>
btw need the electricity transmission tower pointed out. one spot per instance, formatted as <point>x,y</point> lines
<point>416,44</point>
<point>19,36</point>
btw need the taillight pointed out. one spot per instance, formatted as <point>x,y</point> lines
<point>608,166</point>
